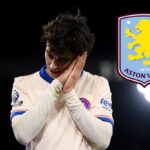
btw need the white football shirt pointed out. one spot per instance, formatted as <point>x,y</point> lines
<point>60,131</point>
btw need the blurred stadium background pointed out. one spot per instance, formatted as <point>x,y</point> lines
<point>22,53</point>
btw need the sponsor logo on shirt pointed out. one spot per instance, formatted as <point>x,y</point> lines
<point>106,104</point>
<point>86,103</point>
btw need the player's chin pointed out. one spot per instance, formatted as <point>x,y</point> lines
<point>55,73</point>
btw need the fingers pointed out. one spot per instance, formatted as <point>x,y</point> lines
<point>64,76</point>
<point>84,57</point>
<point>74,69</point>
<point>78,67</point>
<point>71,66</point>
<point>81,61</point>
<point>73,77</point>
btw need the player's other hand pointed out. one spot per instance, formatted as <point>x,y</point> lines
<point>78,65</point>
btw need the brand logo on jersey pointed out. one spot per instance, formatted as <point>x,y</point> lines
<point>134,48</point>
<point>15,97</point>
<point>106,104</point>
<point>86,103</point>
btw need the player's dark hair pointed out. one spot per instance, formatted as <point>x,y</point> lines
<point>68,32</point>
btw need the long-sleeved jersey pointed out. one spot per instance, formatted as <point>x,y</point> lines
<point>44,118</point>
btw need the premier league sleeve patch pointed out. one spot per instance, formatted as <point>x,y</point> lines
<point>15,98</point>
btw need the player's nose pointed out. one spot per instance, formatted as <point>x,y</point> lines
<point>54,66</point>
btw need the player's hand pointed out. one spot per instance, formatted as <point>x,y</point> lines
<point>65,74</point>
<point>75,73</point>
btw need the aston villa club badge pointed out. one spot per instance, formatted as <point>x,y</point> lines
<point>134,48</point>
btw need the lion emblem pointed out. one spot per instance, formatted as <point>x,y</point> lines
<point>141,43</point>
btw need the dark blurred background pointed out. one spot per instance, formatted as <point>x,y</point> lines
<point>22,53</point>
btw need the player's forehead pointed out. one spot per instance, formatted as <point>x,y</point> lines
<point>60,54</point>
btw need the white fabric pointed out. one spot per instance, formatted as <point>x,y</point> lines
<point>97,131</point>
<point>28,125</point>
<point>53,121</point>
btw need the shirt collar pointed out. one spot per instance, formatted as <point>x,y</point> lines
<point>44,75</point>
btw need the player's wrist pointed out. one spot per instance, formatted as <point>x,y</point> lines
<point>65,91</point>
<point>58,86</point>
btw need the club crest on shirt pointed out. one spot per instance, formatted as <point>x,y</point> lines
<point>86,103</point>
<point>15,99</point>
<point>106,104</point>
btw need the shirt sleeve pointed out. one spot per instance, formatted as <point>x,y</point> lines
<point>20,101</point>
<point>102,102</point>
<point>23,112</point>
<point>95,124</point>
